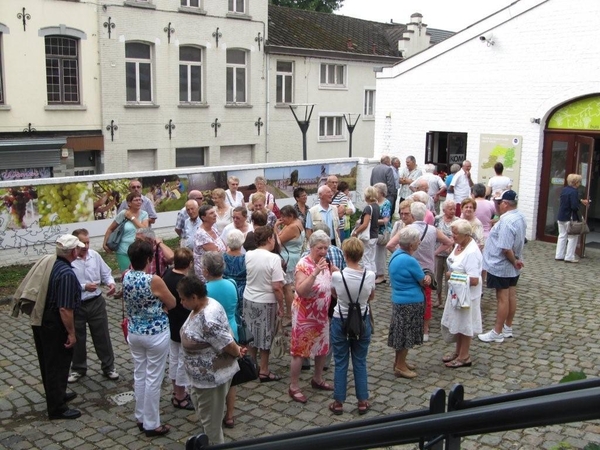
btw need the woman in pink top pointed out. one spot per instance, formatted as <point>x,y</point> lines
<point>486,209</point>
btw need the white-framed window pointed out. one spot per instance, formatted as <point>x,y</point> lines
<point>369,110</point>
<point>190,74</point>
<point>189,156</point>
<point>237,6</point>
<point>331,128</point>
<point>62,70</point>
<point>191,3</point>
<point>236,76</point>
<point>138,72</point>
<point>285,82</point>
<point>333,75</point>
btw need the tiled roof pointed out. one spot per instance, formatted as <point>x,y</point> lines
<point>296,28</point>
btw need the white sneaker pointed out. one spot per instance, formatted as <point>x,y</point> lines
<point>74,377</point>
<point>112,375</point>
<point>491,336</point>
<point>507,332</point>
<point>426,337</point>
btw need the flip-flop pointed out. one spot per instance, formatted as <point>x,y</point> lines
<point>449,358</point>
<point>267,378</point>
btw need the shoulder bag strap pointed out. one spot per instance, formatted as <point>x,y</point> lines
<point>424,232</point>
<point>229,198</point>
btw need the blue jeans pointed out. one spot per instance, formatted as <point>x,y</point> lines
<point>342,349</point>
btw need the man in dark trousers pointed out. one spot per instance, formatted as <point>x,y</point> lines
<point>55,338</point>
<point>384,173</point>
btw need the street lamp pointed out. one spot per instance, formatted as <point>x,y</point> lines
<point>303,124</point>
<point>350,125</point>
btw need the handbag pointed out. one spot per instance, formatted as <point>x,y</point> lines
<point>575,228</point>
<point>383,238</point>
<point>248,371</point>
<point>124,322</point>
<point>115,237</point>
<point>278,343</point>
<point>364,235</point>
<point>245,336</point>
<point>458,290</point>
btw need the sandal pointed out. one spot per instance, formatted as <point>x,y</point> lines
<point>363,407</point>
<point>160,431</point>
<point>266,378</point>
<point>228,422</point>
<point>458,363</point>
<point>140,426</point>
<point>184,403</point>
<point>449,358</point>
<point>297,395</point>
<point>322,386</point>
<point>337,408</point>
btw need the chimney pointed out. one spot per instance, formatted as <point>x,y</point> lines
<point>349,44</point>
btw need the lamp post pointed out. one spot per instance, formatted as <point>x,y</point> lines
<point>304,123</point>
<point>350,125</point>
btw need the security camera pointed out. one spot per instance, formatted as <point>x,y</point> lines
<point>482,38</point>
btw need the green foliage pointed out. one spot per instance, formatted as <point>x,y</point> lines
<point>573,376</point>
<point>561,446</point>
<point>592,446</point>
<point>327,6</point>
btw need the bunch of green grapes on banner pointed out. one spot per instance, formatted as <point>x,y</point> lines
<point>65,203</point>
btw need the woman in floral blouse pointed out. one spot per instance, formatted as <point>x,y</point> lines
<point>207,238</point>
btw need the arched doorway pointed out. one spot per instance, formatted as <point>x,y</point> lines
<point>571,145</point>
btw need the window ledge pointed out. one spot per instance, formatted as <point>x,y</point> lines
<point>192,105</point>
<point>140,105</point>
<point>65,108</point>
<point>368,118</point>
<point>191,10</point>
<point>145,5</point>
<point>284,105</point>
<point>333,87</point>
<point>237,105</point>
<point>4,107</point>
<point>340,139</point>
<point>231,15</point>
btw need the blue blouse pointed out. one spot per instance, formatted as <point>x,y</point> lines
<point>405,276</point>
<point>144,309</point>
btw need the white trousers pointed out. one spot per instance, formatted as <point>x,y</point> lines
<point>369,255</point>
<point>176,368</point>
<point>149,355</point>
<point>380,259</point>
<point>210,409</point>
<point>566,244</point>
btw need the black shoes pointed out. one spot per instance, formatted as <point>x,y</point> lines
<point>70,396</point>
<point>69,414</point>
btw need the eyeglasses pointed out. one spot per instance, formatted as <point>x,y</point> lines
<point>136,187</point>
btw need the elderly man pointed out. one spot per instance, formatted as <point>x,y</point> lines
<point>135,186</point>
<point>325,212</point>
<point>340,201</point>
<point>421,186</point>
<point>182,215</point>
<point>503,261</point>
<point>191,224</point>
<point>436,187</point>
<point>461,184</point>
<point>384,173</point>
<point>408,174</point>
<point>240,222</point>
<point>91,271</point>
<point>55,336</point>
<point>396,171</point>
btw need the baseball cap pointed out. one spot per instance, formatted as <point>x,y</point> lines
<point>69,241</point>
<point>507,195</point>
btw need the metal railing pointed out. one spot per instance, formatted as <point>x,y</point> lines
<point>431,428</point>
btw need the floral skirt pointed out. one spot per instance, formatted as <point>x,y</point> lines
<point>406,327</point>
<point>261,319</point>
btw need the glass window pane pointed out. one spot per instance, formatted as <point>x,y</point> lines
<point>340,74</point>
<point>322,121</point>
<point>137,50</point>
<point>183,83</point>
<point>130,81</point>
<point>288,89</point>
<point>185,157</point>
<point>236,57</point>
<point>329,126</point>
<point>230,5</point>
<point>190,54</point>
<point>331,74</point>
<point>284,66</point>
<point>240,85</point>
<point>279,95</point>
<point>240,6</point>
<point>229,93</point>
<point>145,82</point>
<point>338,126</point>
<point>196,83</point>
<point>323,73</point>
<point>70,81</point>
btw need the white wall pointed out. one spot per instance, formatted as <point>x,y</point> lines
<point>540,59</point>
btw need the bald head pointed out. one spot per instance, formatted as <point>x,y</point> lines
<point>422,185</point>
<point>196,195</point>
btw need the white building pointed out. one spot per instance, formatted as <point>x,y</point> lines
<point>523,82</point>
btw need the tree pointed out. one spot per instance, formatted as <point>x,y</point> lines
<point>327,6</point>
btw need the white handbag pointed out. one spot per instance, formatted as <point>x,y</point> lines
<point>364,235</point>
<point>458,290</point>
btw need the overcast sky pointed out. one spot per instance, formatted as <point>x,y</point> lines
<point>451,15</point>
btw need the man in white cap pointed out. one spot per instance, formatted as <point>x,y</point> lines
<point>55,337</point>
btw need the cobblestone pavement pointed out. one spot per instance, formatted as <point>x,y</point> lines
<point>556,331</point>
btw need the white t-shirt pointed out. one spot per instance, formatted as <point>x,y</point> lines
<point>262,269</point>
<point>233,201</point>
<point>353,279</point>
<point>499,183</point>
<point>462,188</point>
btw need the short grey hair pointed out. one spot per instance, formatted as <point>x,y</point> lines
<point>318,237</point>
<point>214,263</point>
<point>322,226</point>
<point>454,168</point>
<point>418,211</point>
<point>146,232</point>
<point>64,252</point>
<point>411,158</point>
<point>421,197</point>
<point>235,239</point>
<point>462,227</point>
<point>384,159</point>
<point>408,236</point>
<point>381,187</point>
<point>429,168</point>
<point>449,203</point>
<point>478,190</point>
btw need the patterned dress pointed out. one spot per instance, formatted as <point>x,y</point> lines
<point>310,323</point>
<point>202,237</point>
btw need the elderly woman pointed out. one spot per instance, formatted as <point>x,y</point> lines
<point>146,297</point>
<point>310,322</point>
<point>568,209</point>
<point>183,259</point>
<point>463,322</point>
<point>239,222</point>
<point>136,218</point>
<point>370,219</point>
<point>207,238</point>
<point>235,265</point>
<point>209,355</point>
<point>223,209</point>
<point>263,297</point>
<point>257,201</point>
<point>485,210</point>
<point>163,255</point>
<point>234,197</point>
<point>468,207</point>
<point>384,229</point>
<point>301,197</point>
<point>407,280</point>
<point>353,284</point>
<point>290,233</point>
<point>225,292</point>
<point>261,188</point>
<point>443,223</point>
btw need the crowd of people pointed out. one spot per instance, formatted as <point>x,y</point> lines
<point>240,267</point>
